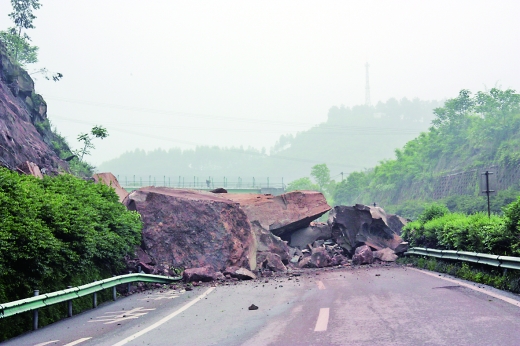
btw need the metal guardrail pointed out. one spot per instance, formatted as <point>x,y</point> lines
<point>506,262</point>
<point>67,295</point>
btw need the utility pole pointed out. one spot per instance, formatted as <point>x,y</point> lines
<point>367,88</point>
<point>341,176</point>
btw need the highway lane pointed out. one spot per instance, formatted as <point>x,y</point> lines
<point>352,306</point>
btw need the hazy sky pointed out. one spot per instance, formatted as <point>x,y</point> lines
<point>230,73</point>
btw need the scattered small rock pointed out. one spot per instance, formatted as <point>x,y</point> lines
<point>253,307</point>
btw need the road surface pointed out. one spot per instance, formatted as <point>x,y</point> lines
<point>379,305</point>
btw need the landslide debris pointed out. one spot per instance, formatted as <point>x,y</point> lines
<point>226,236</point>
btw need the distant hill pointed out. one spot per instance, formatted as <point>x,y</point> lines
<point>350,139</point>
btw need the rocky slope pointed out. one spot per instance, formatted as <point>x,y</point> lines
<point>25,133</point>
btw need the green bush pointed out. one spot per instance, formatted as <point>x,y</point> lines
<point>438,228</point>
<point>56,232</point>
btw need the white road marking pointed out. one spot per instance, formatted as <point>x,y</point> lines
<point>164,295</point>
<point>113,317</point>
<point>460,283</point>
<point>320,284</point>
<point>79,341</point>
<point>323,320</point>
<point>165,319</point>
<point>46,343</point>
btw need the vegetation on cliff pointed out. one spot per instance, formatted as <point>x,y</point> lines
<point>469,131</point>
<point>55,232</point>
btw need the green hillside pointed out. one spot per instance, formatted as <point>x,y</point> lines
<point>470,134</point>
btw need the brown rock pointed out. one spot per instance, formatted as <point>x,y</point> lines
<point>358,225</point>
<point>285,213</point>
<point>386,255</point>
<point>363,255</point>
<point>219,190</point>
<point>271,216</point>
<point>319,258</point>
<point>110,180</point>
<point>240,273</point>
<point>270,261</point>
<point>191,229</point>
<point>200,274</point>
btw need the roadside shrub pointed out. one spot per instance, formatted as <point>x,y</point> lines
<point>55,232</point>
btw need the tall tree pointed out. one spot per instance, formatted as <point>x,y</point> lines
<point>16,40</point>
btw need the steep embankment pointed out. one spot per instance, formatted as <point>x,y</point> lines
<point>25,134</point>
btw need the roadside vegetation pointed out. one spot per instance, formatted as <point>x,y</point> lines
<point>439,228</point>
<point>57,232</point>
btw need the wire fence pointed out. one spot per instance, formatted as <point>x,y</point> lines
<point>195,182</point>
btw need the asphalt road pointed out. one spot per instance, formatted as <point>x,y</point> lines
<point>351,306</point>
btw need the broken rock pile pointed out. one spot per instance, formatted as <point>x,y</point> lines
<point>218,236</point>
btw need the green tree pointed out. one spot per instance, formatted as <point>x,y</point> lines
<point>15,39</point>
<point>321,175</point>
<point>87,138</point>
<point>302,184</point>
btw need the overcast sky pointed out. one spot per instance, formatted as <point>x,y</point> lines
<point>162,74</point>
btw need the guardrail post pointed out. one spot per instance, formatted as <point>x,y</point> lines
<point>35,313</point>
<point>69,305</point>
<point>94,300</point>
<point>128,285</point>
<point>114,293</point>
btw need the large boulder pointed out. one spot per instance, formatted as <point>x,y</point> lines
<point>192,229</point>
<point>360,224</point>
<point>110,180</point>
<point>285,213</point>
<point>273,216</point>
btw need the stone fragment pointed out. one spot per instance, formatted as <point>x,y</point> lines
<point>360,224</point>
<point>316,231</point>
<point>205,274</point>
<point>253,307</point>
<point>363,255</point>
<point>386,255</point>
<point>240,273</point>
<point>319,258</point>
<point>270,261</point>
<point>219,190</point>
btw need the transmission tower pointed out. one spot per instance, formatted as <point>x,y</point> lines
<point>367,88</point>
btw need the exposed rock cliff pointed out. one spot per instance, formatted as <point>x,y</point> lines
<point>25,134</point>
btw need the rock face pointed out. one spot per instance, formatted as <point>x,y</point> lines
<point>285,213</point>
<point>25,133</point>
<point>110,180</point>
<point>360,224</point>
<point>190,229</point>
